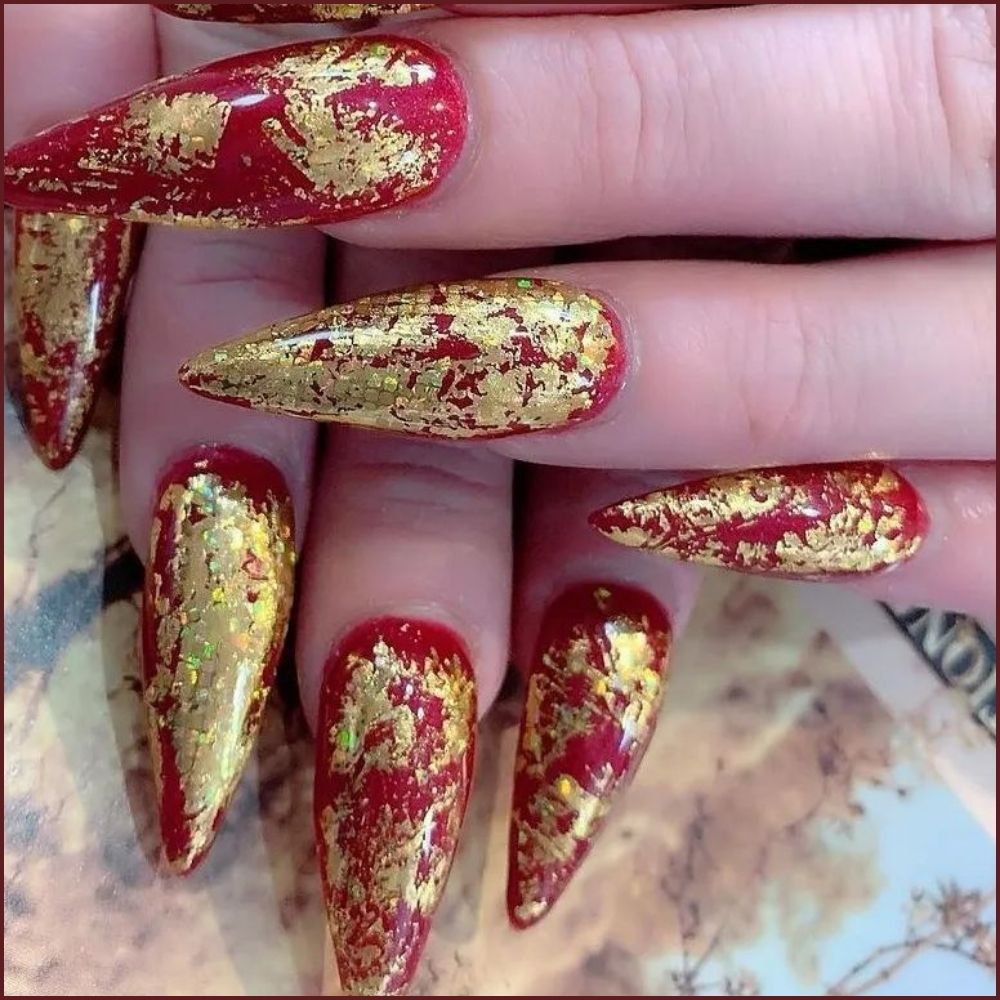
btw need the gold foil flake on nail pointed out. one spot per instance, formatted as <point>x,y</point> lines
<point>176,133</point>
<point>395,782</point>
<point>592,703</point>
<point>333,159</point>
<point>54,274</point>
<point>70,277</point>
<point>220,590</point>
<point>350,150</point>
<point>842,520</point>
<point>465,360</point>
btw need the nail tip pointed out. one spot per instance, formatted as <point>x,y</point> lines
<point>180,865</point>
<point>524,914</point>
<point>55,456</point>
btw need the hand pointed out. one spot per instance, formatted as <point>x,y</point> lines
<point>689,124</point>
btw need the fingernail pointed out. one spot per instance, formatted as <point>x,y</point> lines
<point>71,274</point>
<point>475,359</point>
<point>218,594</point>
<point>804,521</point>
<point>593,697</point>
<point>278,13</point>
<point>395,750</point>
<point>311,133</point>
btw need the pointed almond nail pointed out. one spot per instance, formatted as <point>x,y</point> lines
<point>804,521</point>
<point>395,750</point>
<point>283,13</point>
<point>594,694</point>
<point>475,359</point>
<point>218,595</point>
<point>71,275</point>
<point>311,133</point>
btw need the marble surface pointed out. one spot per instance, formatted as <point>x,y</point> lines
<point>815,815</point>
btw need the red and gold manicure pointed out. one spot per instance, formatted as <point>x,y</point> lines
<point>218,596</point>
<point>312,133</point>
<point>285,13</point>
<point>812,522</point>
<point>476,359</point>
<point>395,750</point>
<point>71,275</point>
<point>594,694</point>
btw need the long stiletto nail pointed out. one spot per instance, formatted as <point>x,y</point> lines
<point>593,697</point>
<point>311,133</point>
<point>473,359</point>
<point>804,521</point>
<point>218,595</point>
<point>71,274</point>
<point>395,751</point>
<point>280,13</point>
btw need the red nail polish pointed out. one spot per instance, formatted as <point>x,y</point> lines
<point>284,13</point>
<point>219,585</point>
<point>805,521</point>
<point>593,697</point>
<point>311,133</point>
<point>71,274</point>
<point>395,749</point>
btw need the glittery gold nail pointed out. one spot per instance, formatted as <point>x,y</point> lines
<point>474,359</point>
<point>394,763</point>
<point>593,697</point>
<point>218,595</point>
<point>805,521</point>
<point>309,133</point>
<point>71,274</point>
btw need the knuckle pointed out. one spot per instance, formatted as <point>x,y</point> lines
<point>280,267</point>
<point>420,487</point>
<point>785,375</point>
<point>955,66</point>
<point>640,138</point>
<point>964,56</point>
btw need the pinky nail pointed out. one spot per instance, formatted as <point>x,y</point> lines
<point>218,595</point>
<point>594,693</point>
<point>284,13</point>
<point>71,275</point>
<point>813,522</point>
<point>395,751</point>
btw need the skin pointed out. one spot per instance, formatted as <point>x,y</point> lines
<point>425,528</point>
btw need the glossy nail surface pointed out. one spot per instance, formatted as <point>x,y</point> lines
<point>473,359</point>
<point>218,595</point>
<point>395,750</point>
<point>277,13</point>
<point>805,521</point>
<point>593,697</point>
<point>310,133</point>
<point>71,275</point>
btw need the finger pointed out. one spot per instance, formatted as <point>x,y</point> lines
<point>933,525</point>
<point>667,365</point>
<point>404,618</point>
<point>213,499</point>
<point>71,274</point>
<point>851,120</point>
<point>593,630</point>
